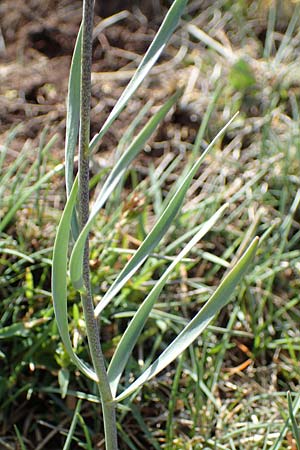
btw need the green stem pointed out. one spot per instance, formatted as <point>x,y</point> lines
<point>92,327</point>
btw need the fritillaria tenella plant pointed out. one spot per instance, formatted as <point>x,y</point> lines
<point>78,218</point>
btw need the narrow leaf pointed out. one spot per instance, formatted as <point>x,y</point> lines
<point>12,251</point>
<point>294,424</point>
<point>129,338</point>
<point>73,112</point>
<point>110,184</point>
<point>278,444</point>
<point>16,329</point>
<point>72,123</point>
<point>72,428</point>
<point>59,281</point>
<point>27,193</point>
<point>158,231</point>
<point>20,439</point>
<point>219,299</point>
<point>158,44</point>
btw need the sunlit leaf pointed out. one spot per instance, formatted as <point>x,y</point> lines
<point>159,229</point>
<point>130,336</point>
<point>196,326</point>
<point>158,44</point>
<point>59,281</point>
<point>111,183</point>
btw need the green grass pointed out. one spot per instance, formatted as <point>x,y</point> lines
<point>229,390</point>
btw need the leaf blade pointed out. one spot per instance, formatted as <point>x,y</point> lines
<point>294,425</point>
<point>72,123</point>
<point>219,299</point>
<point>158,230</point>
<point>163,35</point>
<point>59,281</point>
<point>130,336</point>
<point>73,112</point>
<point>110,184</point>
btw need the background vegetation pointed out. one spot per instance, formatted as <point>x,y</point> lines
<point>229,390</point>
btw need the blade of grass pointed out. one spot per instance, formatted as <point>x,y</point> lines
<point>27,176</point>
<point>11,251</point>
<point>130,336</point>
<point>16,329</point>
<point>20,439</point>
<point>278,444</point>
<point>158,44</point>
<point>7,176</point>
<point>159,229</point>
<point>4,149</point>
<point>73,426</point>
<point>156,191</point>
<point>206,119</point>
<point>110,184</point>
<point>197,143</point>
<point>199,34</point>
<point>287,36</point>
<point>219,299</point>
<point>59,281</point>
<point>88,440</point>
<point>294,424</point>
<point>172,404</point>
<point>21,199</point>
<point>135,148</point>
<point>109,21</point>
<point>269,41</point>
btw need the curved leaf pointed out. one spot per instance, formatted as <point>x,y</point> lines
<point>110,184</point>
<point>59,281</point>
<point>219,299</point>
<point>129,338</point>
<point>159,229</point>
<point>159,42</point>
<point>73,112</point>
<point>72,123</point>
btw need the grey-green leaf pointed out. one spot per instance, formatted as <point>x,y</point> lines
<point>72,123</point>
<point>59,281</point>
<point>110,184</point>
<point>130,336</point>
<point>159,229</point>
<point>73,112</point>
<point>294,424</point>
<point>159,42</point>
<point>219,299</point>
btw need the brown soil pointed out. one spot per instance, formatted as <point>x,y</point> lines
<point>37,44</point>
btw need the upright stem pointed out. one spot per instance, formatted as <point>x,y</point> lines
<point>92,327</point>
